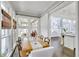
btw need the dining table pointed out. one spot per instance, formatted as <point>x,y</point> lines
<point>32,44</point>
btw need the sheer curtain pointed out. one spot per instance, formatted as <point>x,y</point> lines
<point>69,26</point>
<point>61,25</point>
<point>55,26</point>
<point>35,26</point>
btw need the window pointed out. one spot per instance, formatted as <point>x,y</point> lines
<point>3,46</point>
<point>35,26</point>
<point>21,31</point>
<point>61,25</point>
<point>55,25</point>
<point>24,24</point>
<point>5,41</point>
<point>4,33</point>
<point>69,25</point>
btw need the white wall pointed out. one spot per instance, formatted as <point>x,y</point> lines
<point>0,26</point>
<point>44,25</point>
<point>68,12</point>
<point>69,41</point>
<point>8,8</point>
<point>77,30</point>
<point>0,16</point>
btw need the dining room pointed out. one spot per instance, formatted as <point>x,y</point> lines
<point>38,28</point>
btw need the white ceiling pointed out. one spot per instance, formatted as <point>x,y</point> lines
<point>31,8</point>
